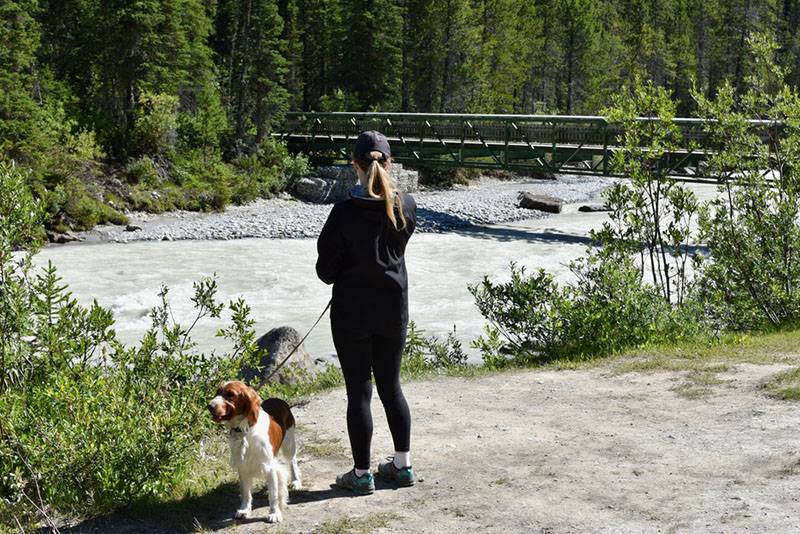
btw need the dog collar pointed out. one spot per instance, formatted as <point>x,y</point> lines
<point>239,430</point>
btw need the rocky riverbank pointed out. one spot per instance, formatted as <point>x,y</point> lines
<point>486,201</point>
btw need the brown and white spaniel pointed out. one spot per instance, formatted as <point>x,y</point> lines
<point>262,442</point>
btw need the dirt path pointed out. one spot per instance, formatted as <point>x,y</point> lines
<point>556,451</point>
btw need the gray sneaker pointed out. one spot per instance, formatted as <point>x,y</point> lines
<point>402,477</point>
<point>363,485</point>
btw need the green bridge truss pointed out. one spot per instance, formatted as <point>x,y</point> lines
<point>550,144</point>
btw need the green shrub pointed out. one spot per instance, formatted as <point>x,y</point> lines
<point>88,423</point>
<point>526,310</point>
<point>492,349</point>
<point>752,280</point>
<point>447,176</point>
<point>607,309</point>
<point>156,124</point>
<point>143,170</point>
<point>71,206</point>
<point>268,170</point>
<point>422,354</point>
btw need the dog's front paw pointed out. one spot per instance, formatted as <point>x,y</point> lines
<point>296,485</point>
<point>243,513</point>
<point>274,517</point>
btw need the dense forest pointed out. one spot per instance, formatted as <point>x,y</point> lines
<point>107,102</point>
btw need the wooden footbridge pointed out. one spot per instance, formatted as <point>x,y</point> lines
<point>550,144</point>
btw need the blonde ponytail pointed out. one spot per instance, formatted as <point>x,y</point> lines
<point>379,185</point>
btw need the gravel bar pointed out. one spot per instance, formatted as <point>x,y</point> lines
<point>486,201</point>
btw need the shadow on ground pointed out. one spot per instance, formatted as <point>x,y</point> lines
<point>210,512</point>
<point>499,233</point>
<point>504,233</point>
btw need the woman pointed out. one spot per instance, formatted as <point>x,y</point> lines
<point>361,252</point>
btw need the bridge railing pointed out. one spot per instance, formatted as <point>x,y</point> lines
<point>546,143</point>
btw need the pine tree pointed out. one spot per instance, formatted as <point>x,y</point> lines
<point>371,61</point>
<point>790,39</point>
<point>19,40</point>
<point>574,50</point>
<point>29,119</point>
<point>320,29</point>
<point>292,37</point>
<point>253,67</point>
<point>112,54</point>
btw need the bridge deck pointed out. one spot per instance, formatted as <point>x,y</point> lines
<point>547,143</point>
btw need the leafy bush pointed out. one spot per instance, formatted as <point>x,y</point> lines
<point>422,354</point>
<point>525,310</point>
<point>155,129</point>
<point>753,278</point>
<point>609,308</point>
<point>268,170</point>
<point>89,424</point>
<point>70,205</point>
<point>446,177</point>
<point>652,216</point>
<point>606,310</point>
<point>493,350</point>
<point>143,170</point>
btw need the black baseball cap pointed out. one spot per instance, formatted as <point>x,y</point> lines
<point>370,141</point>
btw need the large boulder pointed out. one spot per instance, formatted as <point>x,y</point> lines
<point>67,237</point>
<point>333,183</point>
<point>321,190</point>
<point>274,346</point>
<point>593,208</point>
<point>532,201</point>
<point>405,179</point>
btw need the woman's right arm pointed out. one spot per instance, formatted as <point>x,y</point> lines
<point>330,249</point>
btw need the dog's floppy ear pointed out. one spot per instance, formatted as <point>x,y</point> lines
<point>253,405</point>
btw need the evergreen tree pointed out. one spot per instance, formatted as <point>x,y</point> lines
<point>574,50</point>
<point>254,69</point>
<point>320,29</point>
<point>112,54</point>
<point>292,37</point>
<point>436,45</point>
<point>790,39</point>
<point>510,34</point>
<point>19,109</point>
<point>371,61</point>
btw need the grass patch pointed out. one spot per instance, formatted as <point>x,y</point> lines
<point>786,385</point>
<point>321,447</point>
<point>699,383</point>
<point>357,525</point>
<point>791,469</point>
<point>717,355</point>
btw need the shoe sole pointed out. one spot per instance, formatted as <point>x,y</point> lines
<point>395,481</point>
<point>354,490</point>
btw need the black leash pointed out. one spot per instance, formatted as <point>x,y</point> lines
<point>286,359</point>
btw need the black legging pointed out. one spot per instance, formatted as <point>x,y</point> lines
<point>360,356</point>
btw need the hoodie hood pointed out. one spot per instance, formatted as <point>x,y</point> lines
<point>372,209</point>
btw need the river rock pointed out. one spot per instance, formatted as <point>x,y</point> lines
<point>333,183</point>
<point>68,237</point>
<point>274,346</point>
<point>592,208</point>
<point>405,179</point>
<point>132,228</point>
<point>532,201</point>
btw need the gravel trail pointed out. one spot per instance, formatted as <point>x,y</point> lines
<point>541,452</point>
<point>487,201</point>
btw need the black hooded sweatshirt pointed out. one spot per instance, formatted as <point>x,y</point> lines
<point>363,256</point>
